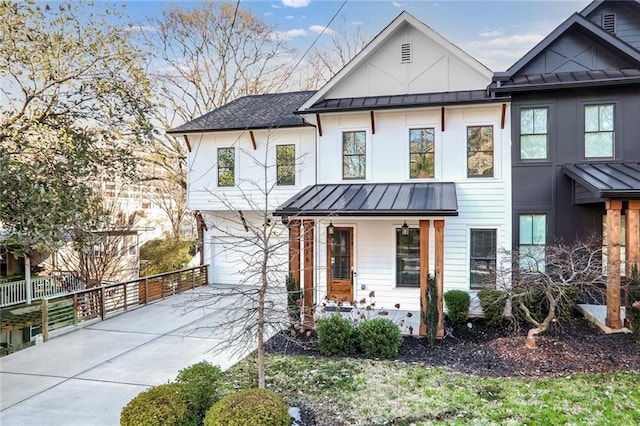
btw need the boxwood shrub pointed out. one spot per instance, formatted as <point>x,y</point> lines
<point>255,407</point>
<point>160,405</point>
<point>458,302</point>
<point>379,338</point>
<point>201,384</point>
<point>336,336</point>
<point>493,302</point>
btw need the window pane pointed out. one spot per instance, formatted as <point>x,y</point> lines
<point>606,117</point>
<point>285,164</point>
<point>591,119</point>
<point>226,166</point>
<point>598,144</point>
<point>526,229</point>
<point>539,229</point>
<point>422,156</point>
<point>408,258</point>
<point>354,154</point>
<point>533,147</point>
<point>483,258</point>
<point>540,121</point>
<point>480,151</point>
<point>526,121</point>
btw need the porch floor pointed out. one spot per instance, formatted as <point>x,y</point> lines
<point>597,315</point>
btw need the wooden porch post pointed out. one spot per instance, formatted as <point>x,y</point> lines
<point>424,272</point>
<point>633,235</point>
<point>308,274</point>
<point>439,255</point>
<point>294,250</point>
<point>613,264</point>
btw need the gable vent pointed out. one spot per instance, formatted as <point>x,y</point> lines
<point>406,53</point>
<point>609,22</point>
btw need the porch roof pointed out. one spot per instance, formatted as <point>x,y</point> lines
<point>373,199</point>
<point>607,179</point>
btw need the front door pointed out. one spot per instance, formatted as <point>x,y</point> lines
<point>340,262</point>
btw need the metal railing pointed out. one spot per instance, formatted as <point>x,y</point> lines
<point>100,303</point>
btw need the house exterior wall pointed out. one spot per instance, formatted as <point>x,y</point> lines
<point>627,22</point>
<point>433,68</point>
<point>539,186</point>
<point>203,191</point>
<point>484,203</point>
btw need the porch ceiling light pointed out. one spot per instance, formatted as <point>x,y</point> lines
<point>330,228</point>
<point>405,228</point>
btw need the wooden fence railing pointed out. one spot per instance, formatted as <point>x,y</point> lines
<point>105,301</point>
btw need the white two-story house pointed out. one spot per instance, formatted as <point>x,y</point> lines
<point>401,169</point>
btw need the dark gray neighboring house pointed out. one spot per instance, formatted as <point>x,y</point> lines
<point>576,135</point>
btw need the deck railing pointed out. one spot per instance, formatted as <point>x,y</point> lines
<point>15,292</point>
<point>100,303</point>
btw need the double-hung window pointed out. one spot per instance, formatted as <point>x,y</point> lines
<point>482,258</point>
<point>408,257</point>
<point>533,134</point>
<point>354,155</point>
<point>226,166</point>
<point>532,241</point>
<point>286,164</point>
<point>480,151</point>
<point>422,153</point>
<point>598,131</point>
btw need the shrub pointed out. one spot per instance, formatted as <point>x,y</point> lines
<point>160,405</point>
<point>294,295</point>
<point>458,302</point>
<point>160,256</point>
<point>255,407</point>
<point>493,302</point>
<point>633,296</point>
<point>201,384</point>
<point>336,336</point>
<point>431,315</point>
<point>379,338</point>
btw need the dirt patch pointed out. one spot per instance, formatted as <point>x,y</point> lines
<point>570,347</point>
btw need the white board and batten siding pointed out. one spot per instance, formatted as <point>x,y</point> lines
<point>482,202</point>
<point>203,192</point>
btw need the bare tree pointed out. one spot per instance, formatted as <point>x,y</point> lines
<point>254,244</point>
<point>326,60</point>
<point>200,59</point>
<point>559,274</point>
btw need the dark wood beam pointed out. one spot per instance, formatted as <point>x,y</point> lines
<point>613,319</point>
<point>439,255</point>
<point>308,274</point>
<point>442,118</point>
<point>319,124</point>
<point>186,140</point>
<point>504,116</point>
<point>373,124</point>
<point>253,140</point>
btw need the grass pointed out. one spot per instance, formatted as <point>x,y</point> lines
<point>365,392</point>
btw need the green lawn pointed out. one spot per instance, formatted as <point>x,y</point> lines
<point>365,392</point>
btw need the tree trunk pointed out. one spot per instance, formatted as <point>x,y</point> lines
<point>530,341</point>
<point>261,306</point>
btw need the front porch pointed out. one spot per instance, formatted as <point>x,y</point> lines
<point>342,243</point>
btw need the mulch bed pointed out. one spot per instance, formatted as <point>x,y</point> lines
<point>569,347</point>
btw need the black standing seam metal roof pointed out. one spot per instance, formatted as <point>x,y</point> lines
<point>403,101</point>
<point>607,179</point>
<point>568,79</point>
<point>251,112</point>
<point>373,199</point>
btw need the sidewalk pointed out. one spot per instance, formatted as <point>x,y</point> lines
<point>85,377</point>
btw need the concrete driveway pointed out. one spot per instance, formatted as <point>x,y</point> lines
<point>85,377</point>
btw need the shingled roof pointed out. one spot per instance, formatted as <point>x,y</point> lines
<point>250,112</point>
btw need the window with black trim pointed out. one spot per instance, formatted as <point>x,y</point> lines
<point>286,164</point>
<point>482,258</point>
<point>533,134</point>
<point>408,258</point>
<point>422,153</point>
<point>226,166</point>
<point>480,151</point>
<point>598,131</point>
<point>354,155</point>
<point>532,241</point>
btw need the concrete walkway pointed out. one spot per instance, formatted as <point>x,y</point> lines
<point>85,377</point>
